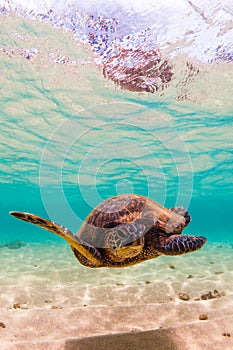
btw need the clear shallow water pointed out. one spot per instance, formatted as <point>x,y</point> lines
<point>70,138</point>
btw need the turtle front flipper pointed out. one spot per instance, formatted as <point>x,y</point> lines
<point>91,255</point>
<point>183,212</point>
<point>125,241</point>
<point>181,244</point>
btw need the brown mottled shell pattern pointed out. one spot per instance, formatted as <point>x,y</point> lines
<point>117,210</point>
<point>124,209</point>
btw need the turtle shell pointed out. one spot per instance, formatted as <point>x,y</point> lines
<point>117,210</point>
<point>127,208</point>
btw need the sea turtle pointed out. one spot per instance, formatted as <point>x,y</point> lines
<point>125,230</point>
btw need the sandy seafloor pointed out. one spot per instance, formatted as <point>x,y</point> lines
<point>47,299</point>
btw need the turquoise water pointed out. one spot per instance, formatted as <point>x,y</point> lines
<point>70,138</point>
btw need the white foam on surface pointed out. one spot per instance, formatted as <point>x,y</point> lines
<point>205,27</point>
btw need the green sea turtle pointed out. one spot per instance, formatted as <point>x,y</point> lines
<point>125,230</point>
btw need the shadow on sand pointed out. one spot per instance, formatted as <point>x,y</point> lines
<point>160,339</point>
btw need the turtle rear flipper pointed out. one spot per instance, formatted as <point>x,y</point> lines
<point>181,244</point>
<point>89,252</point>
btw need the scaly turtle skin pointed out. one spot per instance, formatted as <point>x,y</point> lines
<point>125,230</point>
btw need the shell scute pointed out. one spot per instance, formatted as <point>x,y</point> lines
<point>116,211</point>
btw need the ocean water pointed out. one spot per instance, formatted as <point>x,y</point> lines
<point>71,137</point>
